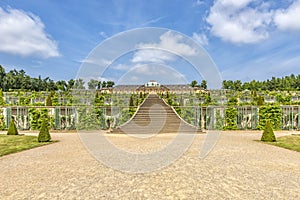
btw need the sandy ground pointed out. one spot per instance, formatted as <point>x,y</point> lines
<point>237,168</point>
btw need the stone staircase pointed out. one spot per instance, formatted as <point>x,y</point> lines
<point>155,116</point>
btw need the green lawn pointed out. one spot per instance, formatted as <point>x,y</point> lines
<point>15,143</point>
<point>291,142</point>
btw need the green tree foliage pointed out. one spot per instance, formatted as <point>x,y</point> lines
<point>286,83</point>
<point>90,119</point>
<point>188,114</point>
<point>48,100</point>
<point>203,84</point>
<point>14,80</point>
<point>273,113</point>
<point>12,130</point>
<point>170,101</point>
<point>260,101</point>
<point>233,85</point>
<point>44,135</point>
<point>110,83</point>
<point>1,97</point>
<point>233,101</point>
<point>37,116</point>
<point>284,99</point>
<point>131,104</point>
<point>268,134</point>
<point>92,84</point>
<point>194,83</point>
<point>219,121</point>
<point>2,75</point>
<point>61,85</point>
<point>2,121</point>
<point>207,99</point>
<point>178,110</point>
<point>230,119</point>
<point>125,115</point>
<point>257,100</point>
<point>20,80</point>
<point>99,99</point>
<point>99,85</point>
<point>104,85</point>
<point>70,84</point>
<point>79,84</point>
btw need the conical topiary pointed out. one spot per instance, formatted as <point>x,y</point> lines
<point>268,134</point>
<point>12,130</point>
<point>44,135</point>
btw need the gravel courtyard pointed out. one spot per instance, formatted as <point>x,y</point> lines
<point>237,168</point>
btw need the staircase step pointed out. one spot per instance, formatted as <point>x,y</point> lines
<point>151,114</point>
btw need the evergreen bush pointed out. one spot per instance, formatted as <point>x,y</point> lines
<point>273,113</point>
<point>48,100</point>
<point>131,101</point>
<point>2,121</point>
<point>1,98</point>
<point>230,119</point>
<point>44,135</point>
<point>12,130</point>
<point>268,134</point>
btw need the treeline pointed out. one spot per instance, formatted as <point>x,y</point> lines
<point>19,80</point>
<point>287,83</point>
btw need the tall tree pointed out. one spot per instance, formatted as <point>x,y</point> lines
<point>104,85</point>
<point>203,84</point>
<point>92,84</point>
<point>70,84</point>
<point>110,83</point>
<point>79,84</point>
<point>194,83</point>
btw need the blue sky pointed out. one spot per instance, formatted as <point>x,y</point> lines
<point>247,39</point>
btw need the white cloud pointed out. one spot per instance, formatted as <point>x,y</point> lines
<point>234,4</point>
<point>200,38</point>
<point>236,22</point>
<point>96,61</point>
<point>288,19</point>
<point>174,42</point>
<point>140,74</point>
<point>24,34</point>
<point>106,79</point>
<point>161,71</point>
<point>152,55</point>
<point>170,45</point>
<point>198,3</point>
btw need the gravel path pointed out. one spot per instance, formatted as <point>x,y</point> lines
<point>237,168</point>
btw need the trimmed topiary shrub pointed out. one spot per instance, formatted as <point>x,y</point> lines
<point>273,113</point>
<point>12,130</point>
<point>2,121</point>
<point>230,119</point>
<point>44,135</point>
<point>268,134</point>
